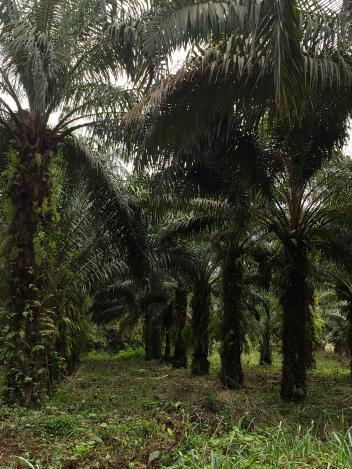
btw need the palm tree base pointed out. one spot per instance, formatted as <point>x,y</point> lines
<point>200,366</point>
<point>235,381</point>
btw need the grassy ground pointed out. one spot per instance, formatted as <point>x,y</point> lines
<point>121,412</point>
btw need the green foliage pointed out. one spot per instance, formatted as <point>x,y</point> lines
<point>123,354</point>
<point>264,53</point>
<point>122,406</point>
<point>61,425</point>
<point>273,448</point>
<point>318,322</point>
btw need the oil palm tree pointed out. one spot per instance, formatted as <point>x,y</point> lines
<point>230,245</point>
<point>88,258</point>
<point>59,65</point>
<point>85,256</point>
<point>303,202</point>
<point>193,269</point>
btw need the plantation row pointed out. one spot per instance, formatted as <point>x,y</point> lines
<point>234,230</point>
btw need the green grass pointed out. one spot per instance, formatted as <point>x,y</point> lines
<point>115,411</point>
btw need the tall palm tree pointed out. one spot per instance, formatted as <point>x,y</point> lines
<point>260,59</point>
<point>59,65</point>
<point>303,202</point>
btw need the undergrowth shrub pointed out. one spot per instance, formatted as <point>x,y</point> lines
<point>274,448</point>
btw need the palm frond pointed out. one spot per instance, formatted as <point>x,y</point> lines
<point>115,210</point>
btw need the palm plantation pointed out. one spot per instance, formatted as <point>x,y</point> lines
<point>175,236</point>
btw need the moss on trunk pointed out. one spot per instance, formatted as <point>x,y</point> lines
<point>32,363</point>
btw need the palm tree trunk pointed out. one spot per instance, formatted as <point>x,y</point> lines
<point>265,352</point>
<point>31,321</point>
<point>296,301</point>
<point>168,321</point>
<point>180,312</point>
<point>148,349</point>
<point>231,373</point>
<point>265,343</point>
<point>152,335</point>
<point>200,323</point>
